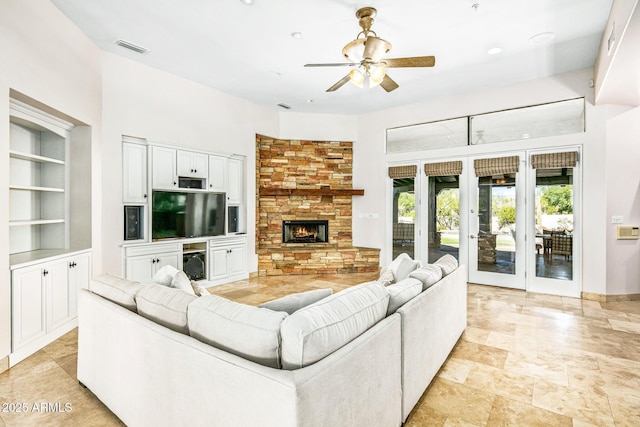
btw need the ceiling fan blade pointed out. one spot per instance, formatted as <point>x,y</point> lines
<point>333,64</point>
<point>374,48</point>
<point>388,83</point>
<point>339,84</point>
<point>414,61</point>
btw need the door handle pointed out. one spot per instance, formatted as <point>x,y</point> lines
<point>472,236</point>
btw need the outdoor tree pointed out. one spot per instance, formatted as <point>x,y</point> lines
<point>557,199</point>
<point>448,210</point>
<point>406,205</point>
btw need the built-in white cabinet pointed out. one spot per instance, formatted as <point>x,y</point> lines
<point>235,181</point>
<point>218,174</point>
<point>227,260</point>
<point>38,187</point>
<point>134,173</point>
<point>143,261</point>
<point>45,301</point>
<point>163,168</point>
<point>192,165</point>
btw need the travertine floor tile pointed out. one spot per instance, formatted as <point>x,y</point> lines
<point>463,402</point>
<point>500,382</point>
<point>456,370</point>
<point>507,412</point>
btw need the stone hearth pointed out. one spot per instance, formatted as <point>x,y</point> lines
<point>309,181</point>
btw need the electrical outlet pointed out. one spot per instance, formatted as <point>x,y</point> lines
<point>617,219</point>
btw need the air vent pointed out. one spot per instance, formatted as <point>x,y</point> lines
<point>285,106</point>
<point>131,46</point>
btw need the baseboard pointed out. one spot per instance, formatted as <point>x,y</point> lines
<point>610,298</point>
<point>4,364</point>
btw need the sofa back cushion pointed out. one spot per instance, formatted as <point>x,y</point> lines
<point>165,306</point>
<point>401,292</point>
<point>448,263</point>
<point>116,289</point>
<point>319,329</point>
<point>402,266</point>
<point>294,302</point>
<point>249,332</point>
<point>428,275</point>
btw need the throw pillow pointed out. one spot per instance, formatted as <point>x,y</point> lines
<point>386,276</point>
<point>294,302</point>
<point>198,289</point>
<point>428,275</point>
<point>402,292</point>
<point>448,263</point>
<point>402,266</point>
<point>182,282</point>
<point>164,276</point>
<point>116,289</point>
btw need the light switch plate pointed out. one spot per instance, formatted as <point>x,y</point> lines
<point>617,219</point>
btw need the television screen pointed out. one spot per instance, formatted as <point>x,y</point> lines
<point>187,214</point>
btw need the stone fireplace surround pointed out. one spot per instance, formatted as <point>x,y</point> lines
<point>307,180</point>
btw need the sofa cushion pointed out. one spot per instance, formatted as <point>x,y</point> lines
<point>116,289</point>
<point>294,302</point>
<point>249,332</point>
<point>402,292</point>
<point>448,263</point>
<point>402,266</point>
<point>428,275</point>
<point>165,306</point>
<point>319,329</point>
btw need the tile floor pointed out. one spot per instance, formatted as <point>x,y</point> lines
<point>524,360</point>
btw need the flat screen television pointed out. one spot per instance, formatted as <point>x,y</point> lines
<point>177,214</point>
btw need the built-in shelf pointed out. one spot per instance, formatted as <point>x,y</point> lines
<point>310,192</point>
<point>36,188</point>
<point>34,157</point>
<point>35,222</point>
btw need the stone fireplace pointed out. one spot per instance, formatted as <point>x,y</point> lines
<point>310,182</point>
<point>305,231</point>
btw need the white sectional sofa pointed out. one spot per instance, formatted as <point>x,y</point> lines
<point>363,356</point>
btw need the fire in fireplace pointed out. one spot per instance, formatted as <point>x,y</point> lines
<point>305,231</point>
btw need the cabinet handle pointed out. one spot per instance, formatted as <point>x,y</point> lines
<point>153,261</point>
<point>72,264</point>
<point>145,196</point>
<point>174,183</point>
<point>45,272</point>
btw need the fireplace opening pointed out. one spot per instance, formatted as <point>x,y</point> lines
<point>305,231</point>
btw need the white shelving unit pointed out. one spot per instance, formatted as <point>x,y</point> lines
<point>38,201</point>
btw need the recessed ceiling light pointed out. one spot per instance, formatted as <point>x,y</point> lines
<point>247,2</point>
<point>542,38</point>
<point>296,35</point>
<point>309,101</point>
<point>494,51</point>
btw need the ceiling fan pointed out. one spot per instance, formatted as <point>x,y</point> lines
<point>366,54</point>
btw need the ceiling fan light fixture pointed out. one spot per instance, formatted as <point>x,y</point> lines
<point>376,75</point>
<point>357,77</point>
<point>354,50</point>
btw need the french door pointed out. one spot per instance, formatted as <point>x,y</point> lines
<point>512,218</point>
<point>496,212</point>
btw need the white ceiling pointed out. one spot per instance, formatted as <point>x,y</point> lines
<point>248,51</point>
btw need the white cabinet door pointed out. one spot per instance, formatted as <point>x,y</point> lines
<point>218,263</point>
<point>218,174</point>
<point>57,293</point>
<point>164,168</point>
<point>79,276</point>
<point>193,165</point>
<point>143,268</point>
<point>28,305</point>
<point>236,260</point>
<point>235,182</point>
<point>134,173</point>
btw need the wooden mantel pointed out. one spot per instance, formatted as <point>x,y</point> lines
<point>310,192</point>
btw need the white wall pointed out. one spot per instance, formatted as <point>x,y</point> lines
<point>43,56</point>
<point>369,156</point>
<point>623,198</point>
<point>147,103</point>
<point>317,127</point>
